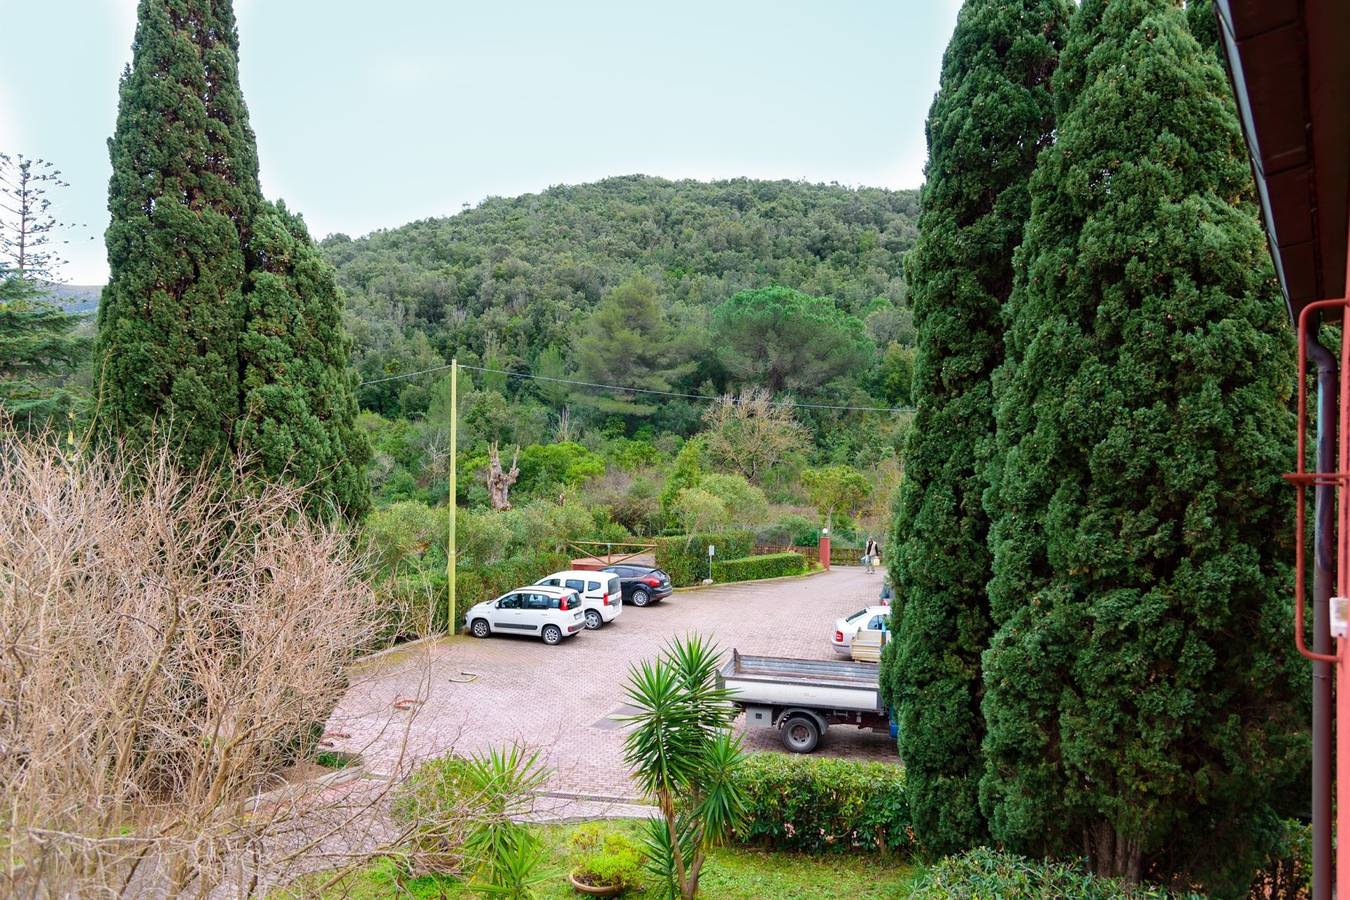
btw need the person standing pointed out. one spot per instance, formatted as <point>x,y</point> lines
<point>871,555</point>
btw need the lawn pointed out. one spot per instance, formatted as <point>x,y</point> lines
<point>731,873</point>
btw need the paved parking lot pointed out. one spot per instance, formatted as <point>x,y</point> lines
<point>564,701</point>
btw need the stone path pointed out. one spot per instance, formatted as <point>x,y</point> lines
<point>566,701</point>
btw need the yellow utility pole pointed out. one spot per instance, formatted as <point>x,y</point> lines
<point>454,441</point>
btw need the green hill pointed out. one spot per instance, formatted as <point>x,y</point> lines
<point>511,277</point>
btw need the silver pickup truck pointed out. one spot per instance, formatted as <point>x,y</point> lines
<point>803,697</point>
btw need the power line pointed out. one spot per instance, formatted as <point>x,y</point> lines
<point>615,387</point>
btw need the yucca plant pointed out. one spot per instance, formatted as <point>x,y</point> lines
<point>683,755</point>
<point>508,857</point>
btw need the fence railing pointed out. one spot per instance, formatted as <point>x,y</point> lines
<point>839,556</point>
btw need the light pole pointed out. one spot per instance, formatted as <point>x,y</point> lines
<point>454,436</point>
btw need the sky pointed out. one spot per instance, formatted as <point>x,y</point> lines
<point>373,113</point>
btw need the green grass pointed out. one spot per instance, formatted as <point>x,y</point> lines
<point>731,873</point>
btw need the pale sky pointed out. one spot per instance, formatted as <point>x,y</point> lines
<point>374,113</point>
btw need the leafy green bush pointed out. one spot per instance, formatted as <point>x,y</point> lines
<point>817,804</point>
<point>750,568</point>
<point>984,873</point>
<point>463,814</point>
<point>685,557</point>
<point>418,603</point>
<point>607,858</point>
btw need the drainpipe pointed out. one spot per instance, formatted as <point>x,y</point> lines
<point>1324,585</point>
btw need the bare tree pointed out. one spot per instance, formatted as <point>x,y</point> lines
<point>750,433</point>
<point>499,481</point>
<point>28,229</point>
<point>171,647</point>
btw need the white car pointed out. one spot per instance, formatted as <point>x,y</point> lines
<point>601,593</point>
<point>545,612</point>
<point>873,618</point>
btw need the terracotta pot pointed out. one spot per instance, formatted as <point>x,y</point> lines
<point>606,890</point>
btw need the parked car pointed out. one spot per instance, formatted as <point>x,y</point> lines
<point>547,612</point>
<point>601,593</point>
<point>873,618</point>
<point>642,584</point>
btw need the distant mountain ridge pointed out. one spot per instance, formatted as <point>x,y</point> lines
<point>76,298</point>
<point>513,276</point>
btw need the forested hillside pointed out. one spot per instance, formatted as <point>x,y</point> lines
<point>511,279</point>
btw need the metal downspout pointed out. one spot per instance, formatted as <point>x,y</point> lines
<point>1324,585</point>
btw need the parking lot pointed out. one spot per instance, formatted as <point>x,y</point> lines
<point>567,701</point>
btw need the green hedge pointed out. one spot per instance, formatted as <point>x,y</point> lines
<point>424,593</point>
<point>685,557</point>
<point>982,873</point>
<point>750,568</point>
<point>816,804</point>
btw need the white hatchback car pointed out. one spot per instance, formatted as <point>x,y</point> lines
<point>546,612</point>
<point>601,593</point>
<point>873,618</point>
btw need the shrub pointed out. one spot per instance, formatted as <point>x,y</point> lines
<point>817,805</point>
<point>750,568</point>
<point>418,603</point>
<point>685,557</point>
<point>173,641</point>
<point>464,818</point>
<point>987,873</point>
<point>607,858</point>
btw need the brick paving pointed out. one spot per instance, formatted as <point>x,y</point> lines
<point>470,694</point>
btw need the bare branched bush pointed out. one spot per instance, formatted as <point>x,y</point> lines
<point>169,645</point>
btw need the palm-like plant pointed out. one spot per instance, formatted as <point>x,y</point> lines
<point>683,755</point>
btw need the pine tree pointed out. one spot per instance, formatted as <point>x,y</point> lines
<point>1136,706</point>
<point>992,115</point>
<point>183,195</point>
<point>37,342</point>
<point>299,400</point>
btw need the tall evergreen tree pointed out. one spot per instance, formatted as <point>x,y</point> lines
<point>221,324</point>
<point>299,401</point>
<point>183,195</point>
<point>1134,701</point>
<point>993,113</point>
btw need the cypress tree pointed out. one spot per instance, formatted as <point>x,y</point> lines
<point>992,115</point>
<point>299,395</point>
<point>183,195</point>
<point>1135,704</point>
<point>220,325</point>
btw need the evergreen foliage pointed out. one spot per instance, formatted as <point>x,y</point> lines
<point>183,195</point>
<point>37,343</point>
<point>1138,703</point>
<point>781,339</point>
<point>993,113</point>
<point>221,323</point>
<point>299,400</point>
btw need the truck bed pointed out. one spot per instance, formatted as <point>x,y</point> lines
<point>820,684</point>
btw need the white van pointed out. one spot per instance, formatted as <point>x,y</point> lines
<point>601,593</point>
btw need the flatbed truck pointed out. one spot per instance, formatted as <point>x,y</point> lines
<point>803,697</point>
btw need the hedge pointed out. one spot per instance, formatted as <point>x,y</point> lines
<point>415,596</point>
<point>685,557</point>
<point>750,568</point>
<point>817,804</point>
<point>982,873</point>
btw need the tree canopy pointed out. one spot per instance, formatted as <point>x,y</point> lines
<point>1139,522</point>
<point>992,115</point>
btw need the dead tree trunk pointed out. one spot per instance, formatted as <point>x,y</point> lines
<point>499,482</point>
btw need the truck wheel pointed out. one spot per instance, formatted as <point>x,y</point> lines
<point>641,598</point>
<point>801,734</point>
<point>593,620</point>
<point>480,628</point>
<point>551,634</point>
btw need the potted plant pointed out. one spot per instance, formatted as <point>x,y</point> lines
<point>607,862</point>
